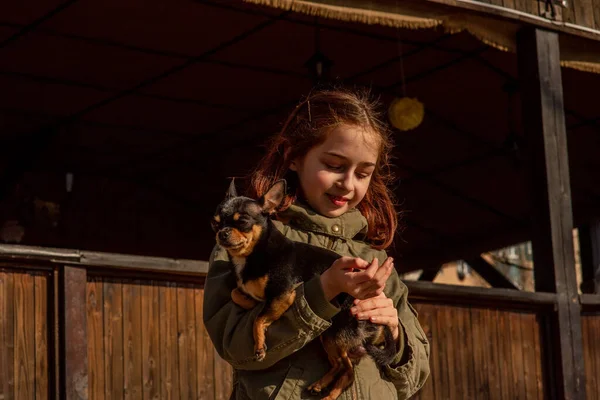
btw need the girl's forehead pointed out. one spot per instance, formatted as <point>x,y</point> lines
<point>352,142</point>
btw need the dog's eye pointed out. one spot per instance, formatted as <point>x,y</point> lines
<point>214,225</point>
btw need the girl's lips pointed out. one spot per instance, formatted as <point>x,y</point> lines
<point>338,200</point>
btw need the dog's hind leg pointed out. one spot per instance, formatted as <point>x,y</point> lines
<point>272,311</point>
<point>346,378</point>
<point>334,356</point>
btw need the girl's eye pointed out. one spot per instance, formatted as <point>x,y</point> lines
<point>334,167</point>
<point>363,176</point>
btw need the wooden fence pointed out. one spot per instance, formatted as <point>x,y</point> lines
<point>145,338</point>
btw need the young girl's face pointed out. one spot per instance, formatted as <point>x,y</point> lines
<point>335,175</point>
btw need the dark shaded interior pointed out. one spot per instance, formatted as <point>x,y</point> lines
<point>152,105</point>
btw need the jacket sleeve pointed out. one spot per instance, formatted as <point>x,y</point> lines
<point>410,368</point>
<point>230,327</point>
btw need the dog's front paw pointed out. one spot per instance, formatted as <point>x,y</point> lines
<point>315,389</point>
<point>260,354</point>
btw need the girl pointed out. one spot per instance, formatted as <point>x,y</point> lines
<point>333,151</point>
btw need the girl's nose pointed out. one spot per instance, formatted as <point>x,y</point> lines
<point>347,182</point>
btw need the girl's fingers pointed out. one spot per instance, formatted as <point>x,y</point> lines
<point>350,263</point>
<point>392,322</point>
<point>375,273</point>
<point>374,303</point>
<point>379,313</point>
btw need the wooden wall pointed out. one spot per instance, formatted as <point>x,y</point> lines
<point>584,13</point>
<point>479,353</point>
<point>591,350</point>
<point>24,349</point>
<point>146,340</point>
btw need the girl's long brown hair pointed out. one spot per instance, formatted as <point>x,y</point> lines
<point>306,127</point>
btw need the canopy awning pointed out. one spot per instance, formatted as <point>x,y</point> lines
<point>576,52</point>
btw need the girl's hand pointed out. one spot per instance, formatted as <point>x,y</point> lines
<point>356,277</point>
<point>379,310</point>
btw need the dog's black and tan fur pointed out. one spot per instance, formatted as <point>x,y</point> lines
<point>268,266</point>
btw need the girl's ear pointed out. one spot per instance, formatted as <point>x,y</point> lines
<point>294,165</point>
<point>273,198</point>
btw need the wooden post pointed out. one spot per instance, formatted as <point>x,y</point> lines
<point>589,246</point>
<point>73,335</point>
<point>545,131</point>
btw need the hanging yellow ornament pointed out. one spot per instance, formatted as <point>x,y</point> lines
<point>406,113</point>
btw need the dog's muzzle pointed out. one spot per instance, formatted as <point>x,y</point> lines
<point>224,235</point>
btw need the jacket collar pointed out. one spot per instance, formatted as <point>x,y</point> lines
<point>347,226</point>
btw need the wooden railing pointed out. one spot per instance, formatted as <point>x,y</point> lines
<point>141,328</point>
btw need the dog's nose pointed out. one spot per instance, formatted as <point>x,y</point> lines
<point>224,234</point>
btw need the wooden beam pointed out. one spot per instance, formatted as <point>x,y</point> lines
<point>488,272</point>
<point>103,260</point>
<point>73,333</point>
<point>500,298</point>
<point>551,211</point>
<point>589,246</point>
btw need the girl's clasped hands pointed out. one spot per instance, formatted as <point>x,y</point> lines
<point>365,281</point>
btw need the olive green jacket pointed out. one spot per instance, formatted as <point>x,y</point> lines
<point>294,359</point>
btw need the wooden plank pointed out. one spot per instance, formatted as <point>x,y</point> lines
<point>4,323</point>
<point>204,351</point>
<point>168,342</point>
<point>509,4</point>
<point>544,122</point>
<point>517,350</point>
<point>143,263</point>
<point>150,340</point>
<point>593,347</point>
<point>132,344</point>
<point>596,9</point>
<point>539,372</point>
<point>73,332</point>
<point>504,355</point>
<point>495,382</point>
<point>24,337</point>
<point>223,378</point>
<point>484,296</point>
<point>41,336</point>
<point>568,15</point>
<point>467,353</point>
<point>182,343</point>
<point>588,358</point>
<point>191,335</point>
<point>479,344</point>
<point>596,349</point>
<point>584,14</point>
<point>100,259</point>
<point>95,329</point>
<point>528,6</point>
<point>527,339</point>
<point>446,360</point>
<point>113,339</point>
<point>424,310</point>
<point>438,374</point>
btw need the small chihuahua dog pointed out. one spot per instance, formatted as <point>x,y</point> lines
<point>268,266</point>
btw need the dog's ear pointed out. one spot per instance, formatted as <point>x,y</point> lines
<point>273,198</point>
<point>231,192</point>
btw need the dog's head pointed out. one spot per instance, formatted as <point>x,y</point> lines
<point>240,221</point>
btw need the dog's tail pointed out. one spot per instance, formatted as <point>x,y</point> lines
<point>386,354</point>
